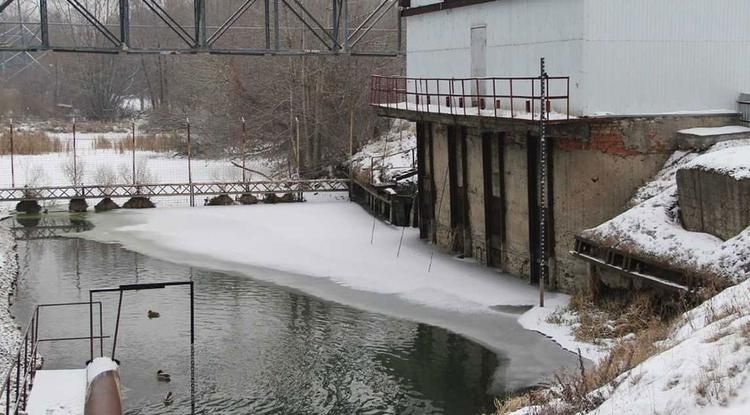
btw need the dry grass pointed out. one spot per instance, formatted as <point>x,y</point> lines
<point>637,318</point>
<point>28,143</point>
<point>160,143</point>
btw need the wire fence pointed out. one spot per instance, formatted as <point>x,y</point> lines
<point>75,155</point>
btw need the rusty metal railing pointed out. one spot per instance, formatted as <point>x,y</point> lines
<point>19,378</point>
<point>498,97</point>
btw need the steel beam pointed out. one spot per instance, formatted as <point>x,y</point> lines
<point>335,36</point>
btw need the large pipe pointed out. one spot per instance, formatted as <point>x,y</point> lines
<point>103,396</point>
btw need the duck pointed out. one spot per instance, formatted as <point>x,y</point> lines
<point>153,314</point>
<point>169,399</point>
<point>163,376</point>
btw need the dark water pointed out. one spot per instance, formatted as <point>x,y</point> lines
<point>260,349</point>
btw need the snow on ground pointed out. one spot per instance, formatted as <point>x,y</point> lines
<point>704,369</point>
<point>396,144</point>
<point>9,332</point>
<point>538,319</point>
<point>652,228</point>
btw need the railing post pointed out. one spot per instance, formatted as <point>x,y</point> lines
<point>512,114</point>
<point>133,152</point>
<point>12,150</point>
<point>190,167</point>
<point>244,144</point>
<point>75,162</point>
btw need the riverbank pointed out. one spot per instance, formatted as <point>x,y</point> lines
<point>9,334</point>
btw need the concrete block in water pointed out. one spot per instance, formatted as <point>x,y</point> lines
<point>220,200</point>
<point>106,204</point>
<point>139,202</point>
<point>78,204</point>
<point>28,206</point>
<point>248,199</point>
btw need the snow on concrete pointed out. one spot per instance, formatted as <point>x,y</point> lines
<point>475,111</point>
<point>733,161</point>
<point>9,333</point>
<point>705,132</point>
<point>99,366</point>
<point>704,369</point>
<point>396,145</point>
<point>652,228</point>
<point>58,392</point>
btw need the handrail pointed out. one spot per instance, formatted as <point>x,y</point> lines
<point>29,350</point>
<point>477,96</point>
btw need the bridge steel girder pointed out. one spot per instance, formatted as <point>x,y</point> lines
<point>336,38</point>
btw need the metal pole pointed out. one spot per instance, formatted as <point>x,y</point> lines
<point>351,151</point>
<point>190,167</point>
<point>117,326</point>
<point>134,179</point>
<point>244,144</point>
<point>12,150</point>
<point>91,324</point>
<point>75,162</point>
<point>543,185</point>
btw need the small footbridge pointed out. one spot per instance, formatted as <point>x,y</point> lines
<point>295,188</point>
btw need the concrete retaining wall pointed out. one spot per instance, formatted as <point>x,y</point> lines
<point>714,203</point>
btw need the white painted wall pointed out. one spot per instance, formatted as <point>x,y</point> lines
<point>656,56</point>
<point>623,57</point>
<point>519,32</point>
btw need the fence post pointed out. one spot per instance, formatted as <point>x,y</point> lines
<point>75,162</point>
<point>190,167</point>
<point>244,144</point>
<point>133,130</point>
<point>12,150</point>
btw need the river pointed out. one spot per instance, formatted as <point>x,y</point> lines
<point>260,348</point>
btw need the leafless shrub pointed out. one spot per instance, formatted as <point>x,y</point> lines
<point>73,169</point>
<point>142,174</point>
<point>105,175</point>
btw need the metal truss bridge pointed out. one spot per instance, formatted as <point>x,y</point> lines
<point>179,189</point>
<point>255,27</point>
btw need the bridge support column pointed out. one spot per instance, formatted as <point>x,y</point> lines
<point>28,206</point>
<point>248,199</point>
<point>78,204</point>
<point>139,202</point>
<point>220,200</point>
<point>106,204</point>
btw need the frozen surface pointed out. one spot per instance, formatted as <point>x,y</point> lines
<point>323,248</point>
<point>328,240</point>
<point>58,392</point>
<point>704,132</point>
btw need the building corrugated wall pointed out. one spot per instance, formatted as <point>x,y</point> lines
<point>624,57</point>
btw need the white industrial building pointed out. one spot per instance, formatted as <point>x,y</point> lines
<point>624,57</point>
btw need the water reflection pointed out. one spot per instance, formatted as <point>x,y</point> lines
<point>259,349</point>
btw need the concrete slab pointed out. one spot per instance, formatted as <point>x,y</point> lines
<point>58,392</point>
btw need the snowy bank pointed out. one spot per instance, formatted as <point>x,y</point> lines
<point>651,229</point>
<point>704,369</point>
<point>9,333</point>
<point>387,155</point>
